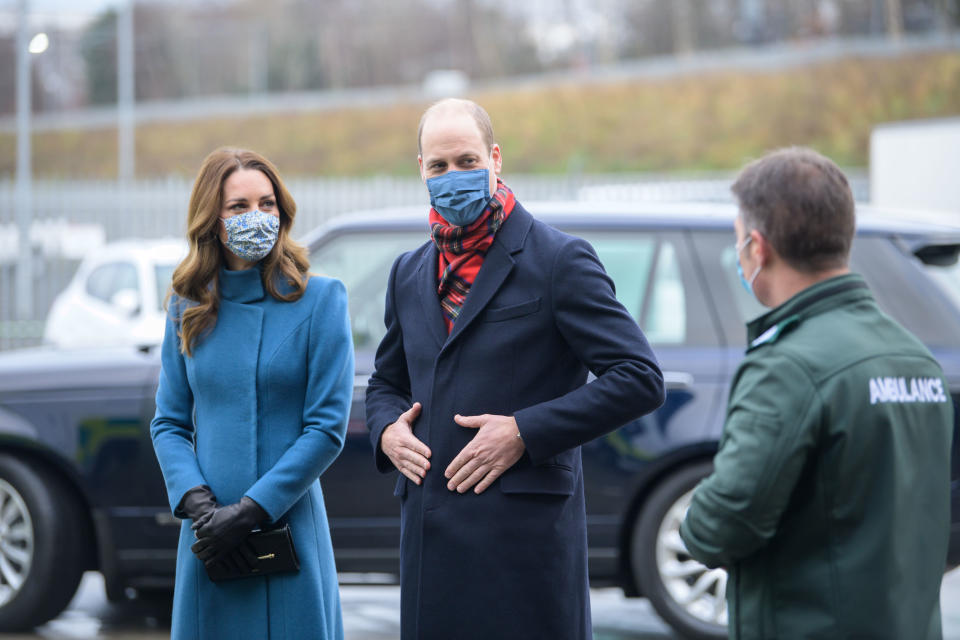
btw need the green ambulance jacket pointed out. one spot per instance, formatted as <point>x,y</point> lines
<point>829,500</point>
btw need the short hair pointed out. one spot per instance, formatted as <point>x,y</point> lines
<point>802,204</point>
<point>479,114</point>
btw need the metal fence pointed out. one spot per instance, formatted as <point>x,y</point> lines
<point>74,217</point>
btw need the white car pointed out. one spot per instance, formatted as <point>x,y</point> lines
<point>117,296</point>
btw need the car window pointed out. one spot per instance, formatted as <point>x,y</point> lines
<point>899,282</point>
<point>665,316</point>
<point>126,278</point>
<point>106,280</point>
<point>362,260</point>
<point>100,282</point>
<point>628,259</point>
<point>903,288</point>
<point>651,272</point>
<point>637,261</point>
<point>655,280</point>
<point>948,279</point>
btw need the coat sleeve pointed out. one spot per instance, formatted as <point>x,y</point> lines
<point>605,338</point>
<point>388,393</point>
<point>172,426</point>
<point>329,393</point>
<point>768,436</point>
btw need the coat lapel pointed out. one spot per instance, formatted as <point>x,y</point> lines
<point>497,265</point>
<point>427,282</point>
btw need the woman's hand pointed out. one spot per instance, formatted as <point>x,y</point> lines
<point>196,503</point>
<point>225,529</point>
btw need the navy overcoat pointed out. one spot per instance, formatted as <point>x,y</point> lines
<point>260,409</point>
<point>511,562</point>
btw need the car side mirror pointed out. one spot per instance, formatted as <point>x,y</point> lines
<point>126,301</point>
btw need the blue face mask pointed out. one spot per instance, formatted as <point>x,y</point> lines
<point>251,235</point>
<point>460,196</point>
<point>747,284</point>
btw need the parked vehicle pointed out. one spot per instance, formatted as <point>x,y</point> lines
<point>76,456</point>
<point>116,296</point>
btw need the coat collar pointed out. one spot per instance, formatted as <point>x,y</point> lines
<point>811,301</point>
<point>241,286</point>
<point>497,265</point>
<point>427,279</point>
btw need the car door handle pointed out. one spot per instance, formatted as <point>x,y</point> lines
<point>678,381</point>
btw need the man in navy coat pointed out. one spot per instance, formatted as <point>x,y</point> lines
<point>478,399</point>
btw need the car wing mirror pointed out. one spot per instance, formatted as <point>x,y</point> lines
<point>126,301</point>
<point>938,255</point>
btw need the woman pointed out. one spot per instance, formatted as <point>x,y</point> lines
<point>255,390</point>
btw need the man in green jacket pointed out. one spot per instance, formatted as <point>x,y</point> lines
<point>829,500</point>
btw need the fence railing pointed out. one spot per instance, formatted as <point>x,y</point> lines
<point>71,218</point>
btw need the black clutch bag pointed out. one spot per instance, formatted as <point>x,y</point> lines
<point>274,551</point>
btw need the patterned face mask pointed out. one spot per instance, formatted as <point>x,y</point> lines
<point>251,235</point>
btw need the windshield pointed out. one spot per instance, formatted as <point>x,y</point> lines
<point>164,276</point>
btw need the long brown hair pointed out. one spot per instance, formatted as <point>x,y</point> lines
<point>195,280</point>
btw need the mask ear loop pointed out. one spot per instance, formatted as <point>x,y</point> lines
<point>752,278</point>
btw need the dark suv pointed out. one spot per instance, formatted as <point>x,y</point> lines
<point>80,488</point>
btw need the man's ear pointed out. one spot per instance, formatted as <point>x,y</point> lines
<point>764,250</point>
<point>423,176</point>
<point>497,159</point>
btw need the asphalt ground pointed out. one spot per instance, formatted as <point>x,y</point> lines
<point>372,612</point>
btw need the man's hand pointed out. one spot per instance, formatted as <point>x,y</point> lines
<point>406,452</point>
<point>492,451</point>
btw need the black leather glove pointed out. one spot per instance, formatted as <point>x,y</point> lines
<point>225,529</point>
<point>196,503</point>
<point>242,559</point>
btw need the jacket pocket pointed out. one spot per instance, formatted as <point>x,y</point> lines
<point>400,489</point>
<point>500,314</point>
<point>549,479</point>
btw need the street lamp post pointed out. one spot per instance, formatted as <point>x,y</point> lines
<point>23,286</point>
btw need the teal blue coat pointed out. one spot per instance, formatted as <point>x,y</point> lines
<point>260,409</point>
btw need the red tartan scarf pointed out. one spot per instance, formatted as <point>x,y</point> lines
<point>462,250</point>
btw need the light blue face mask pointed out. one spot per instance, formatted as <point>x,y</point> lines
<point>747,284</point>
<point>251,235</point>
<point>460,196</point>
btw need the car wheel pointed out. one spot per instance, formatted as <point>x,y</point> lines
<point>41,545</point>
<point>688,596</point>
